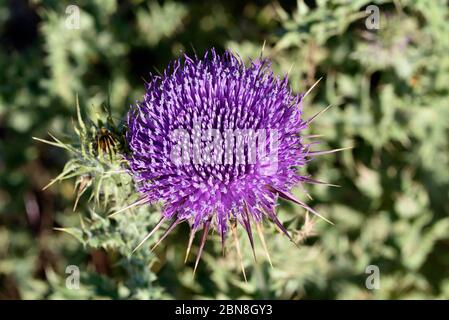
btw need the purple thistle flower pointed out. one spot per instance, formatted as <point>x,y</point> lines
<point>217,142</point>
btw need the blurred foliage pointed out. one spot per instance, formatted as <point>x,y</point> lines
<point>389,91</point>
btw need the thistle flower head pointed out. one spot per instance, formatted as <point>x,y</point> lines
<point>217,142</point>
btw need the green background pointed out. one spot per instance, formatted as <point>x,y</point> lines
<point>390,98</point>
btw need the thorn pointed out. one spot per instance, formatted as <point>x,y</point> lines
<point>81,186</point>
<point>262,239</point>
<point>291,67</point>
<point>167,232</point>
<point>307,229</point>
<point>78,113</point>
<point>58,143</point>
<point>272,215</point>
<point>203,241</point>
<point>158,225</point>
<point>313,181</point>
<point>192,236</point>
<point>223,240</point>
<point>263,48</point>
<point>78,196</point>
<point>291,197</point>
<point>62,176</point>
<point>247,225</point>
<point>222,228</point>
<point>193,48</point>
<point>54,138</point>
<point>312,136</point>
<point>305,192</point>
<point>311,88</point>
<point>308,225</point>
<point>48,142</point>
<point>310,120</point>
<point>319,153</point>
<point>137,203</point>
<point>309,196</point>
<point>49,184</point>
<point>237,246</point>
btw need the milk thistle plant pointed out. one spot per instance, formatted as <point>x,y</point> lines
<point>215,142</point>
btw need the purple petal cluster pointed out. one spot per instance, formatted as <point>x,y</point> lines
<point>217,92</point>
